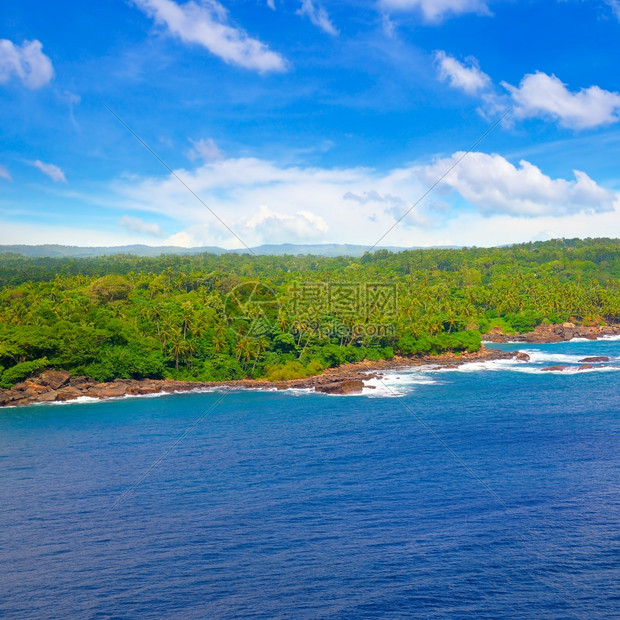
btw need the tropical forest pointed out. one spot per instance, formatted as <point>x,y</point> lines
<point>209,317</point>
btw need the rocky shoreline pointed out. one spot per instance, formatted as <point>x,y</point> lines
<point>547,334</point>
<point>60,386</point>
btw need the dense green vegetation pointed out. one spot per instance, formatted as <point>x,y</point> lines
<point>210,317</point>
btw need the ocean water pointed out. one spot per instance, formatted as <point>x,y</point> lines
<point>491,491</point>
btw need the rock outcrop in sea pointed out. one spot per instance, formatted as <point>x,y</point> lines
<point>555,333</point>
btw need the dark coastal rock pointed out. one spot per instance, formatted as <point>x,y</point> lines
<point>594,360</point>
<point>27,393</point>
<point>554,368</point>
<point>556,333</point>
<point>354,386</point>
<point>107,390</point>
<point>30,387</point>
<point>54,379</point>
<point>67,393</point>
<point>522,357</point>
<point>82,382</point>
<point>585,367</point>
<point>48,397</point>
<point>144,387</point>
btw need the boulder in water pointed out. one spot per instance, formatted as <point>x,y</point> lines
<point>594,360</point>
<point>352,386</point>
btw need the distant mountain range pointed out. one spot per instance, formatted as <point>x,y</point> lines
<point>72,251</point>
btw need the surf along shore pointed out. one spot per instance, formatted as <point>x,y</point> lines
<point>60,386</point>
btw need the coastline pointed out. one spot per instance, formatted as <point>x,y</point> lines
<point>57,386</point>
<point>548,334</point>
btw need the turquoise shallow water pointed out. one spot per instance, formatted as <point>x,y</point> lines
<point>304,505</point>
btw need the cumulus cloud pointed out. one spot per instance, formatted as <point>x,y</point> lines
<point>259,200</point>
<point>206,150</point>
<point>27,63</point>
<point>318,16</point>
<point>427,215</point>
<point>435,11</point>
<point>545,96</point>
<point>184,239</point>
<point>138,225</point>
<point>493,185</point>
<point>264,202</point>
<point>486,200</point>
<point>207,24</point>
<point>5,174</point>
<point>52,171</point>
<point>468,78</point>
<point>302,225</point>
<point>538,96</point>
<point>263,226</point>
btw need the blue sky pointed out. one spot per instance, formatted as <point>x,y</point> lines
<point>309,122</point>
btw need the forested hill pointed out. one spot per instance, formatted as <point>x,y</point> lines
<point>74,251</point>
<point>219,317</point>
<point>566,258</point>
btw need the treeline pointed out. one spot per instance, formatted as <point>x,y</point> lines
<point>564,258</point>
<point>208,317</point>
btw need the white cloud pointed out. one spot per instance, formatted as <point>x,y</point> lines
<point>485,201</point>
<point>470,79</point>
<point>138,225</point>
<point>267,203</point>
<point>494,185</point>
<point>271,4</point>
<point>72,101</point>
<point>614,5</point>
<point>5,174</point>
<point>373,196</point>
<point>52,171</point>
<point>545,96</point>
<point>260,201</point>
<point>206,150</point>
<point>280,227</point>
<point>183,239</point>
<point>538,96</point>
<point>27,62</point>
<point>388,26</point>
<point>318,16</point>
<point>206,24</point>
<point>436,10</point>
<point>263,226</point>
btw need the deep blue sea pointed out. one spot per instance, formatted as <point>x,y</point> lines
<point>492,491</point>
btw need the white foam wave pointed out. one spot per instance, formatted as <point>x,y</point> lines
<point>396,384</point>
<point>80,400</point>
<point>297,391</point>
<point>571,370</point>
<point>492,365</point>
<point>544,356</point>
